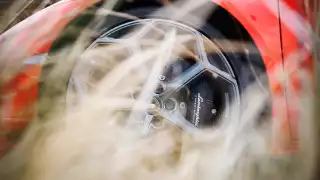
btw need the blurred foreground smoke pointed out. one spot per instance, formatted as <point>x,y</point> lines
<point>106,150</point>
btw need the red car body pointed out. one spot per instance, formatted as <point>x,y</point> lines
<point>278,27</point>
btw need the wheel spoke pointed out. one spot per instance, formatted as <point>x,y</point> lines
<point>140,32</point>
<point>106,39</point>
<point>201,51</point>
<point>80,88</point>
<point>178,120</point>
<point>147,123</point>
<point>182,80</point>
<point>218,72</point>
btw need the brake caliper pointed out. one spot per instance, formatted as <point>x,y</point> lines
<point>199,96</point>
<point>201,108</point>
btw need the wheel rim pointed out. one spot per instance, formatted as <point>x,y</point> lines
<point>213,67</point>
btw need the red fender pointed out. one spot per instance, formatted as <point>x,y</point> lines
<point>282,54</point>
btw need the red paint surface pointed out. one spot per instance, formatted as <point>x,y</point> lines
<point>18,104</point>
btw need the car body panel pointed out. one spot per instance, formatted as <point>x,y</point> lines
<point>296,50</point>
<point>259,17</point>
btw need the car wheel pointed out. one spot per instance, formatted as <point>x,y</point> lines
<point>192,92</point>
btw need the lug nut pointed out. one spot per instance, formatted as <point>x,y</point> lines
<point>160,88</point>
<point>182,105</point>
<point>157,122</point>
<point>162,77</point>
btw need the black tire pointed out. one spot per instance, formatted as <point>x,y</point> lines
<point>54,84</point>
